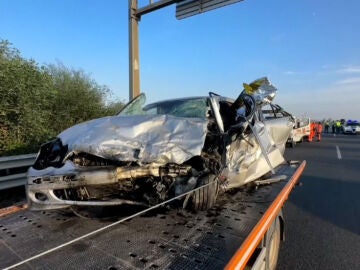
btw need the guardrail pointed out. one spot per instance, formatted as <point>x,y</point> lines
<point>14,167</point>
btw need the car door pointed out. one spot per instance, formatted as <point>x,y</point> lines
<point>215,109</point>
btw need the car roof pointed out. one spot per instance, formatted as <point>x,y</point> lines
<point>220,98</point>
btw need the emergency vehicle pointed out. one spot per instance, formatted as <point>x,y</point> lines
<point>300,132</point>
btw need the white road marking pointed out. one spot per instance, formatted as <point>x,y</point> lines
<point>338,152</point>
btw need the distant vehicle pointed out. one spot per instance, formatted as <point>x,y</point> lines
<point>300,132</point>
<point>351,127</point>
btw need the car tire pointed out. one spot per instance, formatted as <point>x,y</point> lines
<point>205,198</point>
<point>274,244</point>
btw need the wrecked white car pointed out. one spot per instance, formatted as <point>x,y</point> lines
<point>148,154</point>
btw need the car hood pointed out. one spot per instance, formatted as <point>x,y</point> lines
<point>141,138</point>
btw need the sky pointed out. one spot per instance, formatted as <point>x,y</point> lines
<point>309,49</point>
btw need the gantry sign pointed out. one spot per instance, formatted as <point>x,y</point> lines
<point>184,9</point>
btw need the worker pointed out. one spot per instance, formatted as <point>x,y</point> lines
<point>312,131</point>
<point>318,131</point>
<point>327,124</point>
<point>338,126</point>
<point>333,127</point>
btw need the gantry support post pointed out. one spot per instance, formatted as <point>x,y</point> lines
<point>134,61</point>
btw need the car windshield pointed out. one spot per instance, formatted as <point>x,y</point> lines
<point>188,107</point>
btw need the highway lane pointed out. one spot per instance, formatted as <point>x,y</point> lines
<point>323,215</point>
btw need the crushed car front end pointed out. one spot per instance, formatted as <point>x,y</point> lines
<point>123,159</point>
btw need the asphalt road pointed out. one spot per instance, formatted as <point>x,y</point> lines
<point>323,215</point>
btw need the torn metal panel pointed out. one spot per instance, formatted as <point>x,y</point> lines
<point>279,130</point>
<point>247,162</point>
<point>262,90</point>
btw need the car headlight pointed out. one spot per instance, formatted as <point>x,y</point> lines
<point>50,154</point>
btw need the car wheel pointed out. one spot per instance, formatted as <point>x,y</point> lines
<point>274,245</point>
<point>204,198</point>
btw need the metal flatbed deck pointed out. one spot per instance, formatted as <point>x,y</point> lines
<point>160,239</point>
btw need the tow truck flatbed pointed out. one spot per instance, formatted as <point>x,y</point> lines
<point>160,239</point>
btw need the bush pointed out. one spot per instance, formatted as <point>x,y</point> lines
<point>36,103</point>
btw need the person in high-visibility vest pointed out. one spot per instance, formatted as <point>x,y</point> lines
<point>338,126</point>
<point>318,131</point>
<point>313,128</point>
<point>333,127</point>
<point>327,125</point>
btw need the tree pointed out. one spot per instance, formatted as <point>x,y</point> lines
<point>77,97</point>
<point>24,97</point>
<point>37,103</point>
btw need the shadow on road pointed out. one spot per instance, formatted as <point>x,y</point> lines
<point>12,196</point>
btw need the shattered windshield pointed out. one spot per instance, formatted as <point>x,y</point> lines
<point>191,107</point>
<point>134,107</point>
<point>188,107</point>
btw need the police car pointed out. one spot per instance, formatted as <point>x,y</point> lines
<point>351,127</point>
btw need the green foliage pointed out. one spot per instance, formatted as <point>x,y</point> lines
<point>36,103</point>
<point>77,99</point>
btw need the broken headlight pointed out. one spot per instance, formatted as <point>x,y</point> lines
<point>51,154</point>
